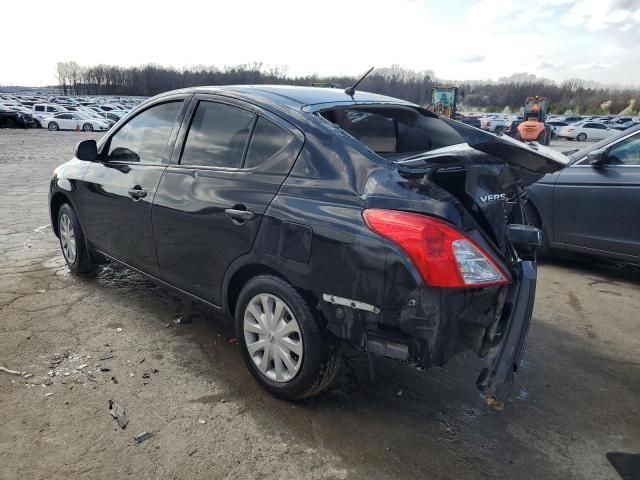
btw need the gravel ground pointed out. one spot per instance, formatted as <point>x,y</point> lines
<point>576,397</point>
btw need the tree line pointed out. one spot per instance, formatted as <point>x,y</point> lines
<point>506,94</point>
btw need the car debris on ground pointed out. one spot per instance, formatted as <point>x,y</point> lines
<point>141,437</point>
<point>106,356</point>
<point>118,413</point>
<point>12,372</point>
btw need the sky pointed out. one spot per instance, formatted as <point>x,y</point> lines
<point>596,40</point>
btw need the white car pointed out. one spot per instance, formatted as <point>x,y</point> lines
<point>556,125</point>
<point>493,123</point>
<point>40,111</point>
<point>582,131</point>
<point>73,121</point>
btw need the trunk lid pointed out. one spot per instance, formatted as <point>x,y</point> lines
<point>488,174</point>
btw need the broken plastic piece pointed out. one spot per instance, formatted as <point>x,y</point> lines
<point>141,437</point>
<point>118,413</point>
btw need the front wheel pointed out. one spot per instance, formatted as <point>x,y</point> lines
<point>285,348</point>
<point>87,127</point>
<point>581,137</point>
<point>74,248</point>
<point>53,126</point>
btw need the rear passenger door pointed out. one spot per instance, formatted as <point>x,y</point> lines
<point>228,164</point>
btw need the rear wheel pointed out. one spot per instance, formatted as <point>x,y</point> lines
<point>581,137</point>
<point>87,127</point>
<point>53,126</point>
<point>72,242</point>
<point>285,348</point>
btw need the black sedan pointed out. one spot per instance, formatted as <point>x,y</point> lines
<point>12,119</point>
<point>592,206</point>
<point>312,216</point>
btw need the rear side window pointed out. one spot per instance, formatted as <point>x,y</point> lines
<point>218,136</point>
<point>376,131</point>
<point>39,108</point>
<point>144,137</point>
<point>267,140</point>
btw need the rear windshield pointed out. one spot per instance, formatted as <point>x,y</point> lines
<point>393,131</point>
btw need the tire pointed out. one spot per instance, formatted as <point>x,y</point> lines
<point>72,243</point>
<point>309,372</point>
<point>53,126</point>
<point>534,219</point>
<point>581,137</point>
<point>87,127</point>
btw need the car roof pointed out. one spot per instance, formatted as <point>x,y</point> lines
<point>294,95</point>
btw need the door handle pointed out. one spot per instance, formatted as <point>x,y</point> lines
<point>239,215</point>
<point>137,192</point>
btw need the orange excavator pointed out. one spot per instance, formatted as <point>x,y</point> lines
<point>534,125</point>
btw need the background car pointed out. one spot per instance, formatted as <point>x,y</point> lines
<point>73,121</point>
<point>10,118</point>
<point>555,126</point>
<point>591,206</point>
<point>582,131</point>
<point>626,125</point>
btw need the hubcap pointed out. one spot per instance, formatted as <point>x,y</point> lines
<point>273,338</point>
<point>67,238</point>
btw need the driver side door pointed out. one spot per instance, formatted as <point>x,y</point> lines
<point>118,190</point>
<point>596,208</point>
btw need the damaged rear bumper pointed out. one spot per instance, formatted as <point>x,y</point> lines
<point>496,379</point>
<point>433,324</point>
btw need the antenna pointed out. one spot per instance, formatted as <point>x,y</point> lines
<point>352,90</point>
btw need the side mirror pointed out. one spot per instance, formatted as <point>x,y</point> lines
<point>596,158</point>
<point>87,150</point>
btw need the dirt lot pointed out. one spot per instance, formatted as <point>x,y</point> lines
<point>576,397</point>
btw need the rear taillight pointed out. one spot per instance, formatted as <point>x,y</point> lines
<point>444,256</point>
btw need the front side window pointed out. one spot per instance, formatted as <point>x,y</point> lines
<point>144,138</point>
<point>39,108</point>
<point>267,140</point>
<point>217,136</point>
<point>626,152</point>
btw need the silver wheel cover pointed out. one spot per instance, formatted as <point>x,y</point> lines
<point>67,238</point>
<point>273,338</point>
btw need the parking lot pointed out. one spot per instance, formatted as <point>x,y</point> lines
<point>575,398</point>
